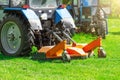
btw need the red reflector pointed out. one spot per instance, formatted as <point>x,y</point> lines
<point>26,6</point>
<point>62,6</point>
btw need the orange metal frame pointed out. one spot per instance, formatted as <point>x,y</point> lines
<point>74,50</point>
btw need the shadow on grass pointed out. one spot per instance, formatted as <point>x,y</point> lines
<point>115,33</point>
<point>37,57</point>
<point>49,60</point>
<point>43,60</point>
<point>3,57</point>
<point>59,60</point>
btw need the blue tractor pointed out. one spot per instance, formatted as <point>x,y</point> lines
<point>27,23</point>
<point>91,15</point>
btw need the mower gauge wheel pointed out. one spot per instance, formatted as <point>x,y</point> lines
<point>101,53</point>
<point>66,57</point>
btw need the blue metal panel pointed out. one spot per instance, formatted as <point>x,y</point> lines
<point>30,15</point>
<point>69,7</point>
<point>61,14</point>
<point>85,2</point>
<point>89,2</point>
<point>33,19</point>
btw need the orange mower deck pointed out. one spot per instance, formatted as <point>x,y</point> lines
<point>76,50</point>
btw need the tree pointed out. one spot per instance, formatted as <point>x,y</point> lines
<point>66,1</point>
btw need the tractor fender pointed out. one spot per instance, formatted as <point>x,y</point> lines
<point>68,23</point>
<point>30,15</point>
<point>33,19</point>
<point>64,16</point>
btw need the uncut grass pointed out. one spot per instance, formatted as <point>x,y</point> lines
<point>23,68</point>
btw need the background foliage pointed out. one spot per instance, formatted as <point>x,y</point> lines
<point>115,7</point>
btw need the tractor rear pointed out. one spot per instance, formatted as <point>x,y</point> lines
<point>45,24</point>
<point>91,15</point>
<point>28,23</point>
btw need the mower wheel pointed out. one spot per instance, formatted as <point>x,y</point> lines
<point>101,53</point>
<point>66,57</point>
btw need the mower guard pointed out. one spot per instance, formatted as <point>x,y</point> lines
<point>74,50</point>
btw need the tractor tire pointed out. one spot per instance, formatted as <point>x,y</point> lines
<point>101,30</point>
<point>14,36</point>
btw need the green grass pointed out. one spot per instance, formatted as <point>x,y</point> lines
<point>23,68</point>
